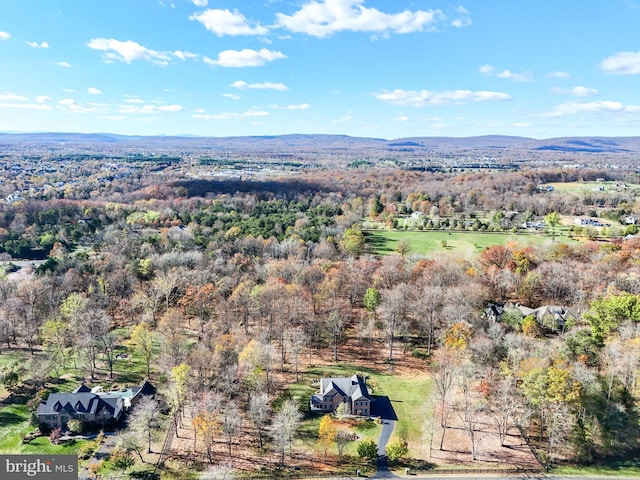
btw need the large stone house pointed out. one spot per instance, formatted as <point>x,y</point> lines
<point>92,407</point>
<point>351,391</point>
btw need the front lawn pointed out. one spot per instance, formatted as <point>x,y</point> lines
<point>408,395</point>
<point>14,424</point>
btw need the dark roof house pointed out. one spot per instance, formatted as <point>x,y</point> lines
<point>351,391</point>
<point>91,406</point>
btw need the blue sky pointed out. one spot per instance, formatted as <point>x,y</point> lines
<point>377,68</point>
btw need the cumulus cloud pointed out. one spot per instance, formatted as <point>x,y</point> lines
<point>602,106</point>
<point>578,91</point>
<point>94,91</point>
<point>300,106</point>
<point>558,74</point>
<point>461,22</point>
<point>232,96</point>
<point>38,45</point>
<point>43,99</point>
<point>245,58</point>
<point>231,115</point>
<point>5,35</point>
<point>347,117</point>
<point>11,96</point>
<point>64,64</point>
<point>622,63</point>
<point>326,17</point>
<point>150,108</point>
<point>490,71</point>
<point>200,3</point>
<point>259,86</point>
<point>423,98</point>
<point>26,106</point>
<point>226,22</point>
<point>128,51</point>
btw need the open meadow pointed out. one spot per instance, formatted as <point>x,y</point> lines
<point>425,243</point>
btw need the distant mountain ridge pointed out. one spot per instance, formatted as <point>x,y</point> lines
<point>329,142</point>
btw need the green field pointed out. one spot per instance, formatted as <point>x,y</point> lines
<point>383,242</point>
<point>595,187</point>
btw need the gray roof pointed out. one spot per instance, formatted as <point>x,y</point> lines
<point>353,387</point>
<point>80,402</point>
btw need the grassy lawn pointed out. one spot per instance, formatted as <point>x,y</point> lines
<point>14,423</point>
<point>582,187</point>
<point>383,242</point>
<point>628,467</point>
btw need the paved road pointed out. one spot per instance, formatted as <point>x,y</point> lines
<point>382,467</point>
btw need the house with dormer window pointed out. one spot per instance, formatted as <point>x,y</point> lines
<point>92,407</point>
<point>335,391</point>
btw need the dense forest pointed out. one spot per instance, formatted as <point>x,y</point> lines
<point>227,289</point>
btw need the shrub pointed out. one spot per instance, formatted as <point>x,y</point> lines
<point>396,449</point>
<point>121,459</point>
<point>55,435</point>
<point>368,450</point>
<point>421,354</point>
<point>74,426</point>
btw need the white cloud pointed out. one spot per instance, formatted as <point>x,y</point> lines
<point>232,96</point>
<point>347,117</point>
<point>300,106</point>
<point>461,22</point>
<point>128,51</point>
<point>578,91</point>
<point>402,118</point>
<point>5,35</point>
<point>38,45</point>
<point>11,96</point>
<point>558,74</point>
<point>245,58</point>
<point>94,91</point>
<point>423,98</point>
<point>133,99</point>
<point>26,106</point>
<point>226,22</point>
<point>66,101</point>
<point>184,55</point>
<point>232,115</point>
<point>326,17</point>
<point>490,71</point>
<point>601,106</point>
<point>150,108</point>
<point>64,64</point>
<point>622,63</point>
<point>43,99</point>
<point>259,86</point>
<point>200,3</point>
<point>460,9</point>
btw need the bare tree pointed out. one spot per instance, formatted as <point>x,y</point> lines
<point>259,413</point>
<point>145,419</point>
<point>231,423</point>
<point>447,366</point>
<point>394,311</point>
<point>285,424</point>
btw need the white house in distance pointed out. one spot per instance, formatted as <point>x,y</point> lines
<point>351,391</point>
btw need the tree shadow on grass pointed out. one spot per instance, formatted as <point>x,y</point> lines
<point>10,418</point>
